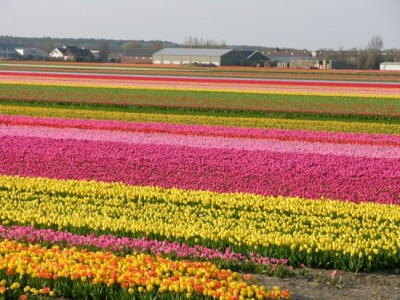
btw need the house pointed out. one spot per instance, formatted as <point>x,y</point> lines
<point>138,56</point>
<point>96,54</point>
<point>198,56</point>
<point>71,53</point>
<point>254,58</point>
<point>30,53</point>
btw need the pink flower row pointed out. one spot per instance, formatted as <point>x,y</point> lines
<point>112,243</point>
<point>271,145</point>
<point>204,130</point>
<point>311,175</point>
<point>237,82</point>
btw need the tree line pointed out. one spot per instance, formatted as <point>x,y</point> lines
<point>367,58</point>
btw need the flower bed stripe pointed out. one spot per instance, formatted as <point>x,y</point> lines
<point>222,170</point>
<point>195,87</point>
<point>243,122</point>
<point>204,130</point>
<point>28,234</point>
<point>155,274</point>
<point>204,142</point>
<point>304,74</point>
<point>343,234</point>
<point>178,79</point>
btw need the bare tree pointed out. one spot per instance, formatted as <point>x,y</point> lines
<point>223,44</point>
<point>47,46</point>
<point>376,43</point>
<point>104,50</point>
<point>370,58</point>
<point>195,42</point>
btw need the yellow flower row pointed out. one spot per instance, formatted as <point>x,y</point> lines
<point>27,289</point>
<point>283,91</point>
<point>315,125</point>
<point>365,230</point>
<point>141,272</point>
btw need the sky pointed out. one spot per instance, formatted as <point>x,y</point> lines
<point>301,24</point>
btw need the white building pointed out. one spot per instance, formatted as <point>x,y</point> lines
<point>390,66</point>
<point>96,54</point>
<point>30,53</point>
<point>71,53</point>
<point>57,53</point>
<point>183,56</point>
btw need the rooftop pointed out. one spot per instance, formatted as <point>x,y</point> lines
<point>193,51</point>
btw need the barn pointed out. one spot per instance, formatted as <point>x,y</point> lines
<point>190,56</point>
<point>254,58</point>
<point>138,56</point>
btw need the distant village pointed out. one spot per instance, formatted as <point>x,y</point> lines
<point>173,54</point>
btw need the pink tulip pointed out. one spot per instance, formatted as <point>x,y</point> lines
<point>309,175</point>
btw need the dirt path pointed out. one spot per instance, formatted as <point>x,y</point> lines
<point>319,284</point>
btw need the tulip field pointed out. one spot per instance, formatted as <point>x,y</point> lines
<point>139,184</point>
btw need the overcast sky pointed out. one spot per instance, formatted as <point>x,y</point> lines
<point>305,24</point>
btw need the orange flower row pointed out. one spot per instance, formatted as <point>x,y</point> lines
<point>140,272</point>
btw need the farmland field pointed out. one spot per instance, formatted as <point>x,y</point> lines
<point>124,182</point>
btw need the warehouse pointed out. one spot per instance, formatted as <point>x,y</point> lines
<point>138,56</point>
<point>193,56</point>
<point>392,66</point>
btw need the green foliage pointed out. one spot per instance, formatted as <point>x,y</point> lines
<point>209,101</point>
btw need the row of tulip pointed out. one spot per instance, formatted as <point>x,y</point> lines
<point>328,233</point>
<point>158,115</point>
<point>199,80</point>
<point>205,142</point>
<point>253,262</point>
<point>147,213</point>
<point>288,89</point>
<point>372,105</point>
<point>232,72</point>
<point>310,175</point>
<point>128,275</point>
<point>256,134</point>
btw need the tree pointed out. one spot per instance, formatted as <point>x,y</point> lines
<point>104,50</point>
<point>376,43</point>
<point>195,42</point>
<point>223,45</point>
<point>47,46</point>
<point>341,54</point>
<point>389,57</point>
<point>131,45</point>
<point>370,58</point>
<point>362,60</point>
<point>156,45</point>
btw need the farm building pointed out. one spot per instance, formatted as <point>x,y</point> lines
<point>138,56</point>
<point>188,56</point>
<point>394,66</point>
<point>71,53</point>
<point>6,54</point>
<point>96,54</point>
<point>30,53</point>
<point>254,58</point>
